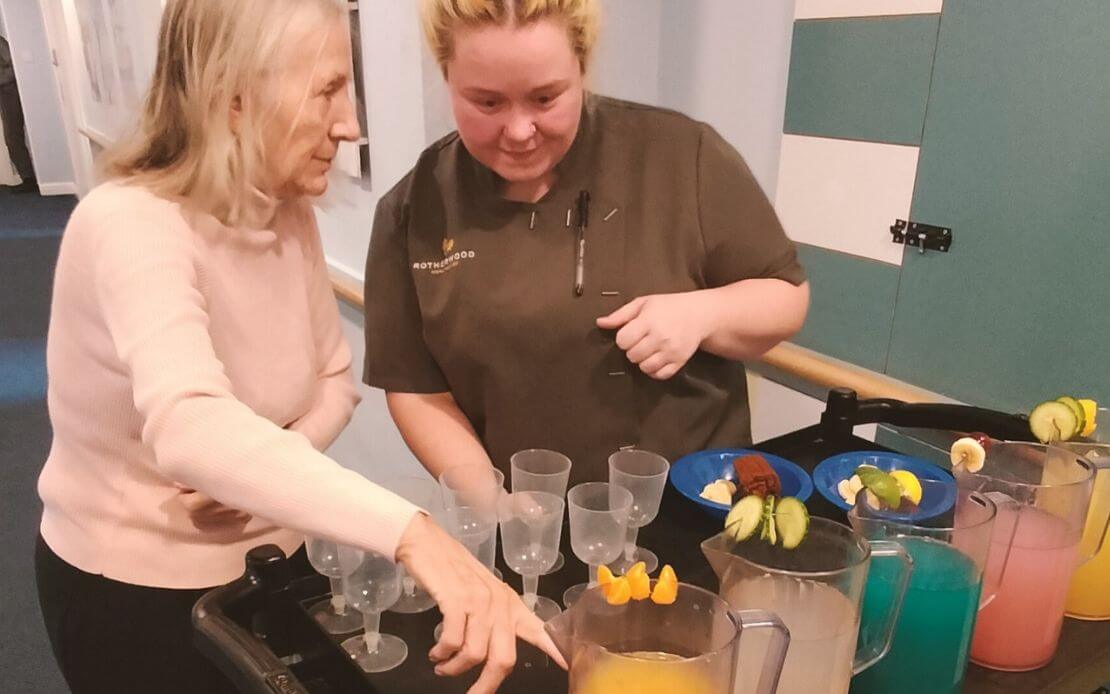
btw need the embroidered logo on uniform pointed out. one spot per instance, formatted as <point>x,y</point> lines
<point>451,259</point>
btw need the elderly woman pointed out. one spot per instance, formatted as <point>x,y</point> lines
<point>568,271</point>
<point>197,367</point>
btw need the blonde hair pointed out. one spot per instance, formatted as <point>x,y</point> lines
<point>213,56</point>
<point>440,18</point>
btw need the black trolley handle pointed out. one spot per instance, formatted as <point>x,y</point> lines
<point>845,410</point>
<point>238,653</point>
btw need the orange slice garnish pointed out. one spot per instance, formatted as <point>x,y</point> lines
<point>604,575</point>
<point>639,581</point>
<point>618,592</point>
<point>666,588</point>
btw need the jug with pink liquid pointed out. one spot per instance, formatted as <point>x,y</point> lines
<point>1043,494</point>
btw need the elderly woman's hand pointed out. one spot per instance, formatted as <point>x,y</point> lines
<point>482,617</point>
<point>207,513</point>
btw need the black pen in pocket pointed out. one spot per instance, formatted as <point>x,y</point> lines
<point>580,250</point>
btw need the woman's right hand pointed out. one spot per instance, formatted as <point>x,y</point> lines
<point>482,617</point>
<point>208,514</point>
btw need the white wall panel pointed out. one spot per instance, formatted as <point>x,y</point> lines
<point>843,195</point>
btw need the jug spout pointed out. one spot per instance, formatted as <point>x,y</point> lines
<point>560,629</point>
<point>718,552</point>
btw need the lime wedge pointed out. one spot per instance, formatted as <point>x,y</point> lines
<point>881,485</point>
<point>1053,421</point>
<point>744,518</point>
<point>792,521</point>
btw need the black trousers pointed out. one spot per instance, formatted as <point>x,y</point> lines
<point>15,133</point>
<point>116,638</point>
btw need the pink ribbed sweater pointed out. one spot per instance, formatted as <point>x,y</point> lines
<point>186,354</point>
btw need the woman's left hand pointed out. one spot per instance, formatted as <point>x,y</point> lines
<point>659,332</point>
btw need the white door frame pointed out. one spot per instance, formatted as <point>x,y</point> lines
<point>61,29</point>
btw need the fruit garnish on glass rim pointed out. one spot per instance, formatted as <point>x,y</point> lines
<point>636,585</point>
<point>1063,419</point>
<point>1090,410</point>
<point>666,588</point>
<point>969,452</point>
<point>785,519</point>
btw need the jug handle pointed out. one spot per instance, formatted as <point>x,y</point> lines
<point>776,650</point>
<point>1102,467</point>
<point>886,549</point>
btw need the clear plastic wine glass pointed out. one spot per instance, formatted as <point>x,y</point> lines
<point>425,492</point>
<point>598,523</point>
<point>531,526</point>
<point>540,470</point>
<point>475,530</point>
<point>335,615</point>
<point>372,587</point>
<point>644,474</point>
<point>474,486</point>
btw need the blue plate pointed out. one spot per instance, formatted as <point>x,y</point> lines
<point>935,500</point>
<point>691,473</point>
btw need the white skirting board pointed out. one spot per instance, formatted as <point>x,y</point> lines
<point>64,188</point>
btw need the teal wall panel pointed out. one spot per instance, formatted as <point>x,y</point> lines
<point>1016,159</point>
<point>851,308</point>
<point>861,78</point>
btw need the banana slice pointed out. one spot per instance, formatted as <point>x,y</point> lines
<point>855,484</point>
<point>969,454</point>
<point>844,489</point>
<point>717,492</point>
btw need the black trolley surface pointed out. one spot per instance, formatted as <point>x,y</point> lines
<point>258,631</point>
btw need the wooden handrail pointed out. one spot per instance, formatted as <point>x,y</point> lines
<point>826,372</point>
<point>347,288</point>
<point>805,364</point>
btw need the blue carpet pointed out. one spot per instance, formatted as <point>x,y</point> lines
<point>30,230</point>
<point>31,216</point>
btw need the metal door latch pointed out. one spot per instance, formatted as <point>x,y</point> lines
<point>921,236</point>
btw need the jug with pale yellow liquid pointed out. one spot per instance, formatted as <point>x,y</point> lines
<point>688,647</point>
<point>816,588</point>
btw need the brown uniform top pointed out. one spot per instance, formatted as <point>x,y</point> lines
<point>470,293</point>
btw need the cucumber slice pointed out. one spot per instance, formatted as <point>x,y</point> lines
<point>744,518</point>
<point>768,532</point>
<point>1080,414</point>
<point>792,521</point>
<point>1053,421</point>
